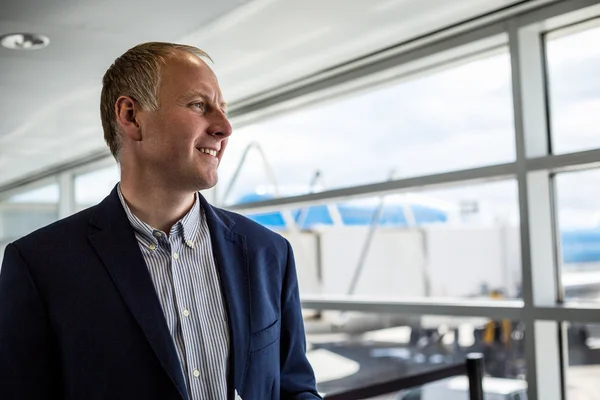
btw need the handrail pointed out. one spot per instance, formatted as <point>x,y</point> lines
<point>268,170</point>
<point>303,214</point>
<point>473,368</point>
<point>368,240</point>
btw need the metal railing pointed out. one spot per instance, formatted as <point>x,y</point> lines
<point>268,170</point>
<point>473,368</point>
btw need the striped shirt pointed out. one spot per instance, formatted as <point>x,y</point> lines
<point>183,270</point>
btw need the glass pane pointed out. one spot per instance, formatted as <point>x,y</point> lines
<point>573,65</point>
<point>454,242</point>
<point>25,212</point>
<point>579,225</point>
<point>349,350</point>
<point>583,373</point>
<point>92,187</point>
<point>453,119</point>
<point>48,194</point>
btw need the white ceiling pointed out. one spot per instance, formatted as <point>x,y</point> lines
<point>49,99</point>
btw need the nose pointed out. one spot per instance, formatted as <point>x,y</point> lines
<point>220,126</point>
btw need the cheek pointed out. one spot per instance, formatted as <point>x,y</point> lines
<point>224,146</point>
<point>177,138</point>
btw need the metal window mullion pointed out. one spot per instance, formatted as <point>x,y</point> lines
<point>470,176</point>
<point>66,199</point>
<point>466,308</point>
<point>544,162</point>
<point>542,346</point>
<point>513,309</point>
<point>567,313</point>
<point>566,162</point>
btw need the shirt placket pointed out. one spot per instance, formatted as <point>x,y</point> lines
<point>164,251</point>
<point>213,320</point>
<point>187,317</point>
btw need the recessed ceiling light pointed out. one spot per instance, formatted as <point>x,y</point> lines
<point>24,41</point>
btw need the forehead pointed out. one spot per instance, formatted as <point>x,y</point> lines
<point>184,73</point>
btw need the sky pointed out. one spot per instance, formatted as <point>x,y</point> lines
<point>454,119</point>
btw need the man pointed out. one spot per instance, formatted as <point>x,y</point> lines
<point>154,293</point>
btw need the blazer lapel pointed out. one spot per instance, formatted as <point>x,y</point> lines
<point>231,257</point>
<point>115,242</point>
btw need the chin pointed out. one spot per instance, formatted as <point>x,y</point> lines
<point>205,182</point>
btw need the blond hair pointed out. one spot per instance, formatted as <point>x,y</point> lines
<point>135,74</point>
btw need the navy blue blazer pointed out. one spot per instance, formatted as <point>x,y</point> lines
<point>80,319</point>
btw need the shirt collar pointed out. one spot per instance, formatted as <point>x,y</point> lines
<point>187,227</point>
<point>190,223</point>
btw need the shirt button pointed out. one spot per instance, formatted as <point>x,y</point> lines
<point>190,243</point>
<point>157,234</point>
<point>152,247</point>
<point>196,373</point>
<point>176,256</point>
<point>186,313</point>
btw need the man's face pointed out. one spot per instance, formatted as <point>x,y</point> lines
<point>184,140</point>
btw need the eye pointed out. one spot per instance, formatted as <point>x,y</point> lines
<point>200,105</point>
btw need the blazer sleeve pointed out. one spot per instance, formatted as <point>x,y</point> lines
<point>297,376</point>
<point>27,368</point>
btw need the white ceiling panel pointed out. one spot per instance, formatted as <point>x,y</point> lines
<point>49,99</point>
<point>268,43</point>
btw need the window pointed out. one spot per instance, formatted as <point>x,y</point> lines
<point>352,349</point>
<point>455,119</point>
<point>92,187</point>
<point>454,242</point>
<point>25,212</point>
<point>584,361</point>
<point>573,56</point>
<point>579,232</point>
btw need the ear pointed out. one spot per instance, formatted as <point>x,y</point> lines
<point>126,110</point>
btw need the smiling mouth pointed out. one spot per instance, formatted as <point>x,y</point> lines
<point>208,151</point>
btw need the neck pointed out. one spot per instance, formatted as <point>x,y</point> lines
<point>155,204</point>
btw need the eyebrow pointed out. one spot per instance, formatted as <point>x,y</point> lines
<point>197,93</point>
